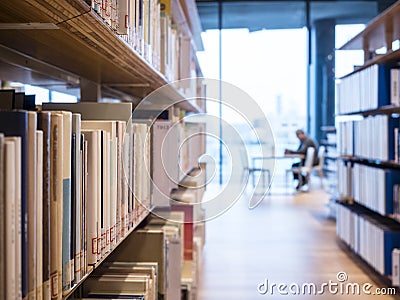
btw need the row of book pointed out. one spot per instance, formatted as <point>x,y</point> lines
<point>364,90</point>
<point>374,137</point>
<point>147,26</point>
<point>371,236</point>
<point>78,179</point>
<point>70,201</point>
<point>378,196</point>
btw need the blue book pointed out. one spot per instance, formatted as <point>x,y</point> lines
<point>15,123</point>
<point>391,179</point>
<point>393,142</point>
<point>383,85</point>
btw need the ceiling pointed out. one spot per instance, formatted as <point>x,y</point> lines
<point>257,15</point>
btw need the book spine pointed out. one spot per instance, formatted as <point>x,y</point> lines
<point>39,215</point>
<point>11,223</point>
<point>92,205</point>
<point>76,196</point>
<point>32,214</point>
<point>56,189</point>
<point>44,125</point>
<point>67,272</point>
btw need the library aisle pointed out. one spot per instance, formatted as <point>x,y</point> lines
<point>287,239</point>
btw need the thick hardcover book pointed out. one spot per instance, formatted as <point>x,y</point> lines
<point>39,215</point>
<point>15,123</point>
<point>44,126</point>
<point>32,199</point>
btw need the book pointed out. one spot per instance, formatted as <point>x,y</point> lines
<point>93,138</point>
<point>44,125</point>
<point>15,123</point>
<point>76,194</point>
<point>125,285</point>
<point>12,233</point>
<point>32,204</point>
<point>394,86</point>
<point>67,261</point>
<point>56,201</point>
<point>7,99</point>
<point>39,215</point>
<point>396,267</point>
<point>18,101</point>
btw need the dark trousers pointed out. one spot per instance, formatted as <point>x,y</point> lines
<point>296,175</point>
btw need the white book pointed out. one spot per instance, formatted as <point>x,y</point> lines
<point>93,194</point>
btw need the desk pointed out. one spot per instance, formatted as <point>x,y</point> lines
<point>274,157</point>
<point>287,156</point>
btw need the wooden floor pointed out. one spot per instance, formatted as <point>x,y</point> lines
<point>287,239</point>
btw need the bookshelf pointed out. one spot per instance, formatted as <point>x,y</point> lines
<point>368,158</point>
<point>72,43</point>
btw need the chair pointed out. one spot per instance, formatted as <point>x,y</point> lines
<point>251,170</point>
<point>319,168</point>
<point>306,169</point>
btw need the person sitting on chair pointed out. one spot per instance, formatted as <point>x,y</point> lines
<point>305,142</point>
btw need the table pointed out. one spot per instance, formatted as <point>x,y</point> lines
<point>277,157</point>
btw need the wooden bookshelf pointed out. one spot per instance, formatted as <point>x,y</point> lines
<point>78,42</point>
<point>380,211</point>
<point>382,31</point>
